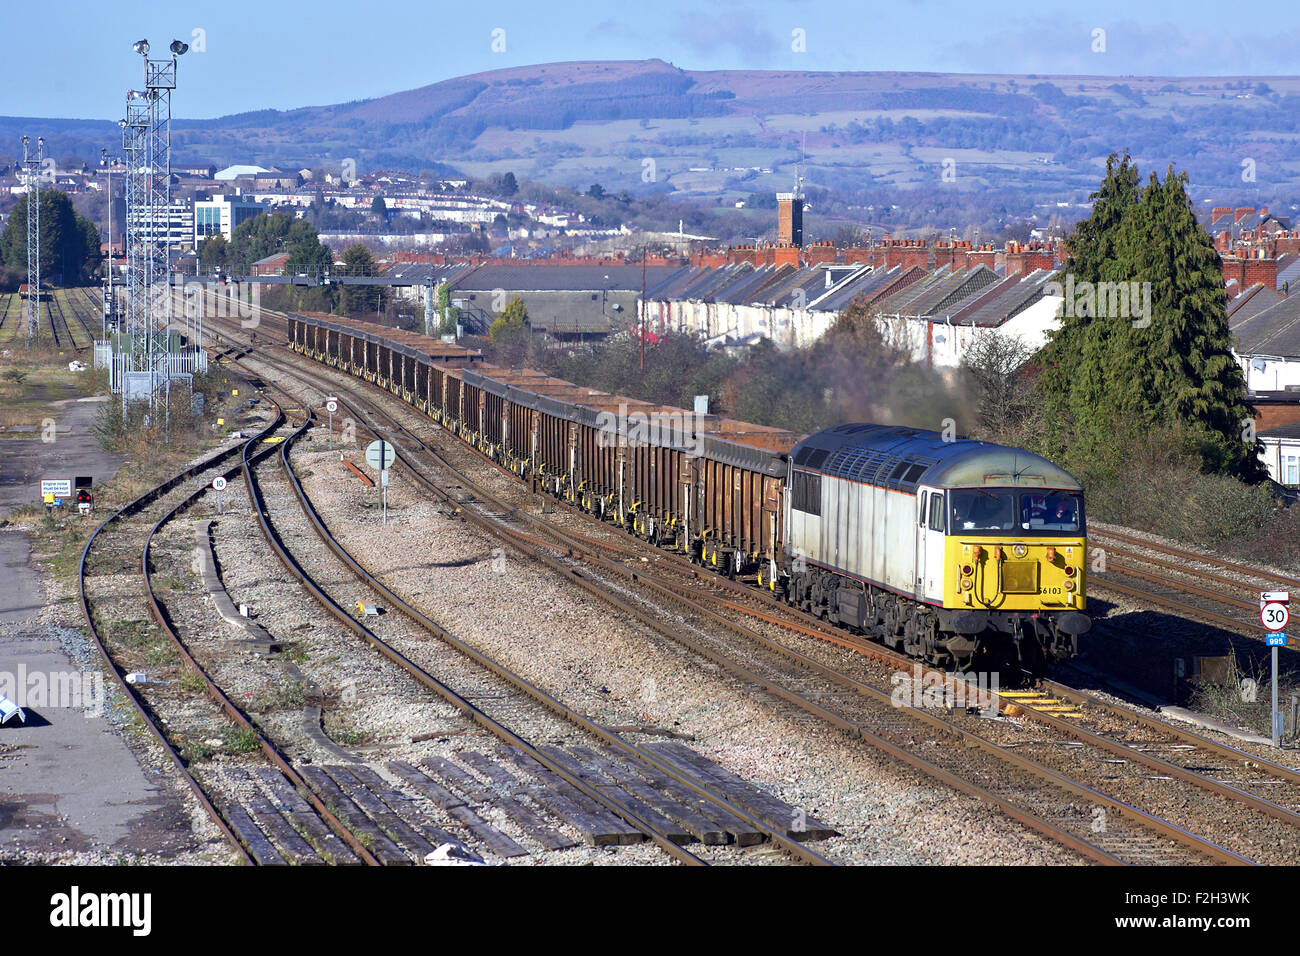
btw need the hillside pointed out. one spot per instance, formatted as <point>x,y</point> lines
<point>648,126</point>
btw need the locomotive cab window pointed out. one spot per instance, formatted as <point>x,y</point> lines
<point>920,511</point>
<point>1000,510</point>
<point>1051,511</point>
<point>983,509</point>
<point>936,512</point>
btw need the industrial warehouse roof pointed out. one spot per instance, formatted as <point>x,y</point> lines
<point>230,172</point>
<point>421,273</point>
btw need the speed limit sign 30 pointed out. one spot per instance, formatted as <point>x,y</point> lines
<point>1274,616</point>
<point>1273,611</point>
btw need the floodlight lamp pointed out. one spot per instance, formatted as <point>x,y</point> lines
<point>178,47</point>
<point>141,47</point>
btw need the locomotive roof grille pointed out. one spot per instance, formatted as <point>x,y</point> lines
<point>901,458</point>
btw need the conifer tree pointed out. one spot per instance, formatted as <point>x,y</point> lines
<point>1074,360</point>
<point>1179,370</point>
<point>1165,365</point>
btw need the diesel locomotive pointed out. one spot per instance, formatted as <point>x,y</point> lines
<point>963,553</point>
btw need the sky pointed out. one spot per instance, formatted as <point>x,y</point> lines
<point>73,59</point>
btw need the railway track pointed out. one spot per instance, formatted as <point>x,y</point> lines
<point>59,318</point>
<point>117,602</point>
<point>502,719</point>
<point>1214,590</point>
<point>230,795</point>
<point>777,676</point>
<point>74,302</point>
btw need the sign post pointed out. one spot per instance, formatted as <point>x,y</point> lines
<point>331,406</point>
<point>1274,614</point>
<point>219,485</point>
<point>380,455</point>
<point>56,487</point>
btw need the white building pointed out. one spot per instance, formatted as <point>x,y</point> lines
<point>222,215</point>
<point>935,315</point>
<point>232,172</point>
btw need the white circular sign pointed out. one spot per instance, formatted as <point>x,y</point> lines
<point>1274,616</point>
<point>331,406</point>
<point>219,483</point>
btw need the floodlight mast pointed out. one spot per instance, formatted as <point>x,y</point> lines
<point>32,169</point>
<point>147,142</point>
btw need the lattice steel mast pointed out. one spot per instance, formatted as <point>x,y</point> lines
<point>32,167</point>
<point>146,140</point>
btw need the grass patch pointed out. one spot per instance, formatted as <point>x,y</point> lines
<point>133,635</point>
<point>241,740</point>
<point>159,656</point>
<point>282,695</point>
<point>1244,697</point>
<point>296,651</point>
<point>192,683</point>
<point>349,737</point>
<point>195,751</point>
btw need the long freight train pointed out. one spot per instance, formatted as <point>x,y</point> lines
<point>966,554</point>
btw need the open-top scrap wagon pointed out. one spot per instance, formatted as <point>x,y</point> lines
<point>707,486</point>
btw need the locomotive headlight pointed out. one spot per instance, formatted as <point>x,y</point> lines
<point>967,584</point>
<point>1069,584</point>
<point>1020,550</point>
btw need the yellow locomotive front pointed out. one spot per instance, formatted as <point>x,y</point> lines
<point>1012,549</point>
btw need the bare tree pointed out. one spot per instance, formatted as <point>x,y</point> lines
<point>1006,407</point>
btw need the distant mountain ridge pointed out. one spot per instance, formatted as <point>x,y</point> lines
<point>649,126</point>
